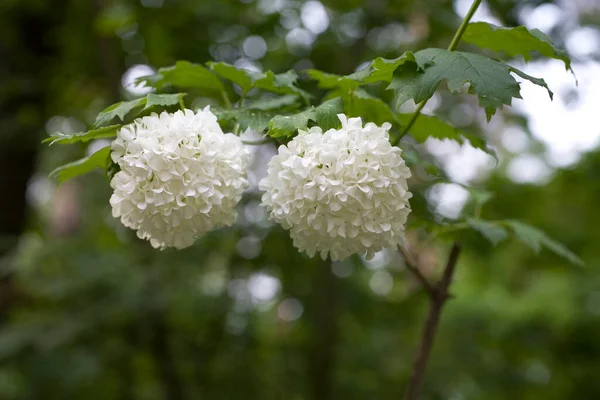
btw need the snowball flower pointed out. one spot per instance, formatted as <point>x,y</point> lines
<point>180,177</point>
<point>341,192</point>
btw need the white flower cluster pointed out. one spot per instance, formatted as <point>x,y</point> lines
<point>180,177</point>
<point>341,192</point>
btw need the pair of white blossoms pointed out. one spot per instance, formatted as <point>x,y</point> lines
<point>339,193</point>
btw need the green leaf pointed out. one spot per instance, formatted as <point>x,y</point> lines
<point>287,125</point>
<point>288,100</point>
<point>101,133</point>
<point>278,83</point>
<point>100,159</point>
<point>324,116</point>
<point>257,114</point>
<point>256,120</point>
<point>431,126</point>
<point>490,80</point>
<point>379,70</point>
<point>492,231</point>
<point>330,81</point>
<point>236,75</point>
<point>536,239</point>
<point>537,81</point>
<point>517,41</point>
<point>184,74</point>
<point>164,100</point>
<point>372,109</point>
<point>382,69</point>
<point>119,110</point>
<point>125,110</point>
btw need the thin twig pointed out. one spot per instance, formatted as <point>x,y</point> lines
<point>413,267</point>
<point>437,301</point>
<point>463,26</point>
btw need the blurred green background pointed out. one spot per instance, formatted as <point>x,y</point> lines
<point>88,312</point>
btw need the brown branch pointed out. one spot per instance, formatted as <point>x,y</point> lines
<point>413,267</point>
<point>437,300</point>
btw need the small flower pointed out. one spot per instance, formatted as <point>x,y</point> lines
<point>180,177</point>
<point>341,192</point>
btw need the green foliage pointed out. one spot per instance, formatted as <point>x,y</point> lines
<point>278,83</point>
<point>100,159</point>
<point>284,83</point>
<point>490,80</point>
<point>517,41</point>
<point>256,120</point>
<point>164,100</point>
<point>379,70</point>
<point>288,125</point>
<point>359,103</point>
<point>497,231</point>
<point>288,101</point>
<point>536,239</point>
<point>68,138</point>
<point>382,69</point>
<point>127,110</point>
<point>431,126</point>
<point>324,116</point>
<point>492,231</point>
<point>331,81</point>
<point>241,77</point>
<point>184,75</point>
<point>122,111</point>
<point>536,81</point>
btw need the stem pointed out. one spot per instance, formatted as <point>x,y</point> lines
<point>437,300</point>
<point>256,142</point>
<point>453,44</point>
<point>410,123</point>
<point>463,26</point>
<point>226,99</point>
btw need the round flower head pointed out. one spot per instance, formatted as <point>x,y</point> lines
<point>180,177</point>
<point>341,192</point>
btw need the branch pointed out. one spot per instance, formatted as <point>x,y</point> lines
<point>437,301</point>
<point>413,267</point>
<point>439,294</point>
